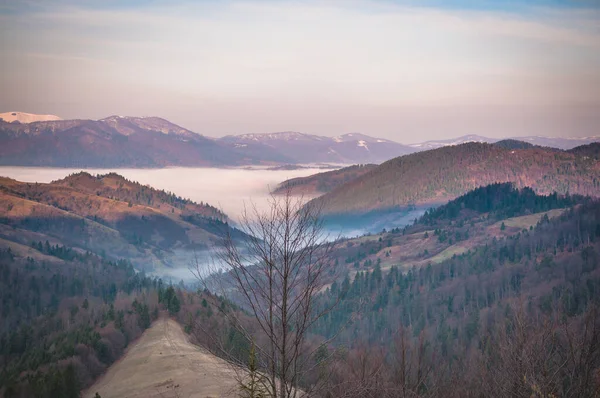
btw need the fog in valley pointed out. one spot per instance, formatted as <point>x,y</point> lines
<point>231,190</point>
<point>227,189</point>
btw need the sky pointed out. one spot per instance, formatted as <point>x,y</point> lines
<point>407,70</point>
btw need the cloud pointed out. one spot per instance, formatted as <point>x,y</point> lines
<point>232,57</point>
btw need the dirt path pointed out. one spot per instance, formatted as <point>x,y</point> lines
<point>163,363</point>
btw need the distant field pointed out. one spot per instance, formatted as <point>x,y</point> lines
<point>448,253</point>
<point>532,219</point>
<point>523,222</point>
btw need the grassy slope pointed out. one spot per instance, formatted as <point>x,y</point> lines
<point>415,249</point>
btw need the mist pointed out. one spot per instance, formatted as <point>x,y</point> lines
<point>230,190</point>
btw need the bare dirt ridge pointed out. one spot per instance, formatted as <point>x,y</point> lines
<point>163,363</point>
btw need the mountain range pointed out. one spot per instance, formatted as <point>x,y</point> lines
<point>112,142</point>
<point>118,141</point>
<point>306,148</point>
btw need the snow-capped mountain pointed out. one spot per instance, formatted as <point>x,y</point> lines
<point>122,141</point>
<point>297,147</point>
<point>116,141</point>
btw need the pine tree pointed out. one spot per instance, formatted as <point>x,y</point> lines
<point>174,305</point>
<point>253,386</point>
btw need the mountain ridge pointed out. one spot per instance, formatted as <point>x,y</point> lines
<point>309,148</point>
<point>108,213</point>
<point>442,174</point>
<point>154,142</point>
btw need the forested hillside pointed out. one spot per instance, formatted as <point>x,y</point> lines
<point>498,201</point>
<point>496,293</point>
<point>515,314</point>
<point>590,150</point>
<point>65,317</point>
<point>439,175</point>
<point>321,183</point>
<point>72,291</point>
<point>115,186</point>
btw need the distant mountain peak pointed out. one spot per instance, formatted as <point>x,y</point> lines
<point>349,148</point>
<point>131,124</point>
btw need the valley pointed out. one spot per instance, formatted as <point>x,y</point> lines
<point>410,265</point>
<point>300,199</point>
<point>425,250</point>
<point>227,189</point>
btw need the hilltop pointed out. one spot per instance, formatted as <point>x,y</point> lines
<point>439,175</point>
<point>109,214</point>
<point>590,150</point>
<point>321,183</point>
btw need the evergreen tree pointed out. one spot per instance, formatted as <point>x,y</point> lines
<point>253,385</point>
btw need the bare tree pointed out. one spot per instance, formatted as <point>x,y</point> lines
<point>274,275</point>
<point>555,356</point>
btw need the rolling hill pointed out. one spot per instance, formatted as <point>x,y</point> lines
<point>443,174</point>
<point>109,214</point>
<point>591,150</point>
<point>321,183</point>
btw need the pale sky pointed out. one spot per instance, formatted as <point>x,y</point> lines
<point>403,70</point>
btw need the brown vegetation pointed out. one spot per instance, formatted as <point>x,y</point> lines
<point>109,214</point>
<point>318,184</point>
<point>442,174</point>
